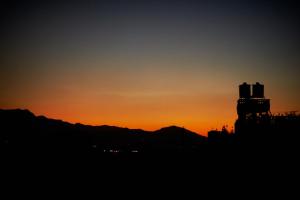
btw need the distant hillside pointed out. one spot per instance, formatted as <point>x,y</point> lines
<point>22,129</point>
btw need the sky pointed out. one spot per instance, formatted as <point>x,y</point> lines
<point>147,64</point>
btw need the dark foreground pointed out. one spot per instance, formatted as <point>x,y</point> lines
<point>24,133</point>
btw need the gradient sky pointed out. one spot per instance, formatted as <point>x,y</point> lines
<point>147,64</point>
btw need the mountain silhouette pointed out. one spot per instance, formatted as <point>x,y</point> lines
<point>22,129</point>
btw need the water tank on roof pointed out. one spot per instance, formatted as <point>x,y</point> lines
<point>258,90</point>
<point>245,90</point>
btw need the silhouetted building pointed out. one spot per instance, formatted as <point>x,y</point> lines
<point>219,137</point>
<point>253,109</point>
<point>254,105</point>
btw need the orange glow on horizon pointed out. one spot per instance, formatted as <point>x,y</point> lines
<point>148,65</point>
<point>153,112</point>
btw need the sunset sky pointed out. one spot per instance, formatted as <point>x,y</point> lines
<point>147,64</point>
